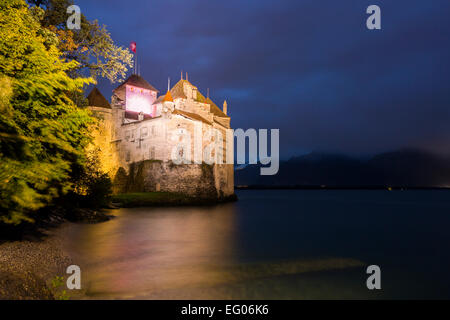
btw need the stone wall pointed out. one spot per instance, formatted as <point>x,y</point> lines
<point>196,180</point>
<point>101,132</point>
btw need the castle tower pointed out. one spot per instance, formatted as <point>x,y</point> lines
<point>102,131</point>
<point>168,104</point>
<point>135,95</point>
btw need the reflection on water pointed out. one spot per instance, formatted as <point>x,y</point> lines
<point>144,251</point>
<point>270,244</point>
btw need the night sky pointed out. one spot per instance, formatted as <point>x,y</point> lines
<point>308,67</point>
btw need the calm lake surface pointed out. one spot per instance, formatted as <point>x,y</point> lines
<point>271,244</point>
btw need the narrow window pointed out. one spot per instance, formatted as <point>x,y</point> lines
<point>152,152</point>
<point>144,132</point>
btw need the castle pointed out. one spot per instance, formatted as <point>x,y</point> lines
<point>138,132</point>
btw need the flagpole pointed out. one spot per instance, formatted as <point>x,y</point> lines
<point>133,48</point>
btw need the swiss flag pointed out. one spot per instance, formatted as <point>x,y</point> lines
<point>133,46</point>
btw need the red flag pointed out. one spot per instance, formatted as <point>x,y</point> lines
<point>133,46</point>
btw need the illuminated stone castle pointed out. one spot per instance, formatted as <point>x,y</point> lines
<point>139,132</point>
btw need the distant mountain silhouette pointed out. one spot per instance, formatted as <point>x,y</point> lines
<point>404,168</point>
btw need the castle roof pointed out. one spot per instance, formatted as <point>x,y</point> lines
<point>168,97</point>
<point>191,115</point>
<point>201,98</point>
<point>177,91</point>
<point>160,99</point>
<point>96,99</point>
<point>215,109</point>
<point>136,81</point>
<point>135,115</point>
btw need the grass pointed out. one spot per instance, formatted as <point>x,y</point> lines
<point>157,199</point>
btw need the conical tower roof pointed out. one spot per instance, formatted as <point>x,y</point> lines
<point>168,97</point>
<point>96,99</point>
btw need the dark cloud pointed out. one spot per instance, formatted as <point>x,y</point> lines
<point>310,68</point>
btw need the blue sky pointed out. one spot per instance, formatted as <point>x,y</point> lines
<point>308,67</point>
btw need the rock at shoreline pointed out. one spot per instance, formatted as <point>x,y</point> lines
<point>88,216</point>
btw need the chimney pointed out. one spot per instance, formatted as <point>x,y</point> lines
<point>225,106</point>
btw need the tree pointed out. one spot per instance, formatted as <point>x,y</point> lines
<point>91,46</point>
<point>93,187</point>
<point>42,132</point>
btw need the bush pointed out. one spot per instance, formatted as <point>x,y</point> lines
<point>93,187</point>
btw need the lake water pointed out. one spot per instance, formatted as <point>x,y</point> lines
<point>271,244</point>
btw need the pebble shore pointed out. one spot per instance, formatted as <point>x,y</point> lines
<point>27,267</point>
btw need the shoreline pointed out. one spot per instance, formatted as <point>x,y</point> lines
<point>325,187</point>
<point>33,262</point>
<point>29,264</point>
<point>27,267</point>
<point>166,199</point>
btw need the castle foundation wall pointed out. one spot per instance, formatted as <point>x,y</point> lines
<point>195,180</point>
